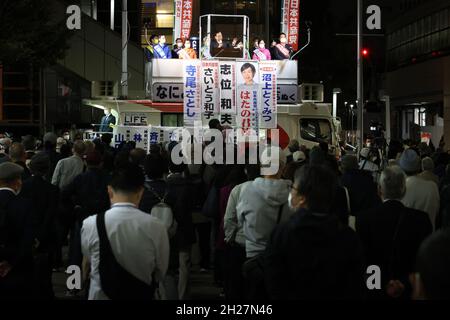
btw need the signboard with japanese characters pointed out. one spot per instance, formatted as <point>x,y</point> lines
<point>178,16</point>
<point>285,16</point>
<point>135,119</point>
<point>168,92</point>
<point>139,135</point>
<point>186,19</point>
<point>210,89</point>
<point>268,84</point>
<point>287,93</point>
<point>294,23</point>
<point>227,78</point>
<point>191,102</point>
<point>247,109</point>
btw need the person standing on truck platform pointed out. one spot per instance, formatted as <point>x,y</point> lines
<point>177,48</point>
<point>261,53</point>
<point>107,120</point>
<point>187,53</point>
<point>282,50</point>
<point>149,50</point>
<point>161,50</point>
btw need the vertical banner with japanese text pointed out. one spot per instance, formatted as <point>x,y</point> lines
<point>294,23</point>
<point>285,16</point>
<point>186,18</point>
<point>247,108</point>
<point>268,85</point>
<point>178,7</point>
<point>227,73</point>
<point>210,90</point>
<point>191,103</point>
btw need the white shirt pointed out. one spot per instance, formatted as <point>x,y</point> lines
<point>230,220</point>
<point>66,170</point>
<point>139,243</point>
<point>422,195</point>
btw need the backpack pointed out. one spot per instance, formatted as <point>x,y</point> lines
<point>163,212</point>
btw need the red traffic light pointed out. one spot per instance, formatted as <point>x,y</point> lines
<point>365,52</point>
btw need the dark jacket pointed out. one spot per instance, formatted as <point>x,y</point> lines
<point>54,158</point>
<point>377,229</point>
<point>314,256</point>
<point>88,193</point>
<point>45,198</point>
<point>17,234</point>
<point>26,172</point>
<point>362,190</point>
<point>180,199</point>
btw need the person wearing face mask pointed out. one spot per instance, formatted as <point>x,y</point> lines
<point>107,120</point>
<point>16,239</point>
<point>261,53</point>
<point>313,256</point>
<point>177,47</point>
<point>187,52</point>
<point>149,50</point>
<point>161,50</point>
<point>283,50</point>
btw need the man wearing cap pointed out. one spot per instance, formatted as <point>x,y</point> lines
<point>15,235</point>
<point>420,194</point>
<point>44,197</point>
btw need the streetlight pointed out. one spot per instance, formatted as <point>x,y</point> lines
<point>353,135</point>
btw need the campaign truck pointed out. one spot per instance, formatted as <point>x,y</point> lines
<point>243,94</point>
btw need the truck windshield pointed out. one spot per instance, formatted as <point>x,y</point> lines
<point>316,130</point>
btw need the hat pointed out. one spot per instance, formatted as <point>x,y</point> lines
<point>349,162</point>
<point>299,156</point>
<point>40,163</point>
<point>410,161</point>
<point>94,158</point>
<point>50,137</point>
<point>10,171</point>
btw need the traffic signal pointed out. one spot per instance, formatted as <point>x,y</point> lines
<point>365,52</point>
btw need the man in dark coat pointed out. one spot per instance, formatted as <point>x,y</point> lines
<point>44,196</point>
<point>361,188</point>
<point>176,192</point>
<point>16,241</point>
<point>85,196</point>
<point>314,255</point>
<point>391,235</point>
<point>19,156</point>
<point>107,120</point>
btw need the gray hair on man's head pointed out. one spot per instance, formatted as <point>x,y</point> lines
<point>427,164</point>
<point>393,183</point>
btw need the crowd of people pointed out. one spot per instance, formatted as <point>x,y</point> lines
<point>308,231</point>
<point>183,49</point>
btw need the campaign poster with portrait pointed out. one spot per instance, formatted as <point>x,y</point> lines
<point>247,73</point>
